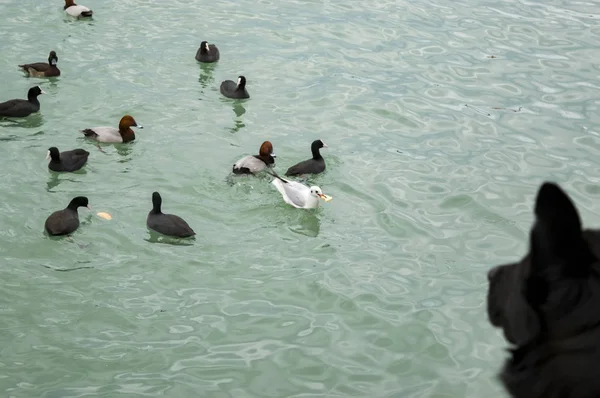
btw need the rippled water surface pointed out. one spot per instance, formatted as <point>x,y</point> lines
<point>442,119</point>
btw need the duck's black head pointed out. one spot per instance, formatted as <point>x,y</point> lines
<point>54,154</point>
<point>204,49</point>
<point>79,201</point>
<point>34,92</point>
<point>156,202</point>
<point>241,83</point>
<point>52,58</point>
<point>315,146</point>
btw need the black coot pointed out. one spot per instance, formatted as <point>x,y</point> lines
<point>234,90</point>
<point>21,107</point>
<point>63,222</point>
<point>315,165</point>
<point>167,224</point>
<point>68,160</point>
<point>207,53</point>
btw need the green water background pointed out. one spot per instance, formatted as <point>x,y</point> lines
<point>379,293</point>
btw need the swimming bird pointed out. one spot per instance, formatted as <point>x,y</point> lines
<point>207,52</point>
<point>63,222</point>
<point>256,163</point>
<point>42,69</point>
<point>21,107</point>
<point>230,89</point>
<point>77,11</point>
<point>315,165</point>
<point>167,224</point>
<point>297,194</point>
<point>68,160</point>
<point>112,135</point>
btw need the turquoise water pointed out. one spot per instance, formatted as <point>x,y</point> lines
<point>380,292</point>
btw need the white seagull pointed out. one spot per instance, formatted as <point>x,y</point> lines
<point>298,195</point>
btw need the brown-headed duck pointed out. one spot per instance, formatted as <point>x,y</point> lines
<point>234,90</point>
<point>315,165</point>
<point>167,224</point>
<point>207,53</point>
<point>63,222</point>
<point>67,160</point>
<point>112,135</point>
<point>256,163</point>
<point>77,11</point>
<point>21,107</point>
<point>43,69</point>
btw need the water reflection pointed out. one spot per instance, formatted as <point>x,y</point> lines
<point>32,121</point>
<point>54,179</point>
<point>155,237</point>
<point>70,19</point>
<point>239,110</point>
<point>238,125</point>
<point>124,150</point>
<point>309,224</point>
<point>48,84</point>
<point>85,220</point>
<point>52,182</point>
<point>206,78</point>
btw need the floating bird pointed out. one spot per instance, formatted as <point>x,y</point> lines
<point>77,11</point>
<point>236,91</point>
<point>298,195</point>
<point>256,163</point>
<point>167,224</point>
<point>43,69</point>
<point>113,135</point>
<point>63,222</point>
<point>68,160</point>
<point>315,165</point>
<point>207,52</point>
<point>21,107</point>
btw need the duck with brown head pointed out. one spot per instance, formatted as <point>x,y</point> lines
<point>256,163</point>
<point>234,90</point>
<point>207,53</point>
<point>77,11</point>
<point>112,135</point>
<point>43,69</point>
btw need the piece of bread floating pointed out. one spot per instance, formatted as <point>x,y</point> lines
<point>326,198</point>
<point>104,215</point>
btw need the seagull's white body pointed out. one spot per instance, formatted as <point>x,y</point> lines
<point>298,195</point>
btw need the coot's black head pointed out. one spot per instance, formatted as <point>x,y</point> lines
<point>318,144</point>
<point>204,47</point>
<point>79,201</point>
<point>54,153</point>
<point>315,146</point>
<point>156,202</point>
<point>52,58</point>
<point>241,83</point>
<point>34,92</point>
